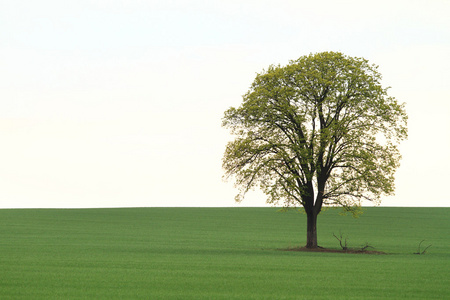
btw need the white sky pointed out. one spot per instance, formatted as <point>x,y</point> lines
<point>119,103</point>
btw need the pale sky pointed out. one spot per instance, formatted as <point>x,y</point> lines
<point>119,103</point>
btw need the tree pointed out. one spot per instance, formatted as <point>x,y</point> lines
<point>318,131</point>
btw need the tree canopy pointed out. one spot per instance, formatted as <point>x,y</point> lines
<point>319,131</point>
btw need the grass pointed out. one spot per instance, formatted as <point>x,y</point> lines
<point>220,253</point>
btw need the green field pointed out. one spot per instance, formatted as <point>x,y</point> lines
<point>220,253</point>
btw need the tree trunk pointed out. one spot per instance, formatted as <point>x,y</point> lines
<point>311,229</point>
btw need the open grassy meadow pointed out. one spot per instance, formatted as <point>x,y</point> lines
<point>220,253</point>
